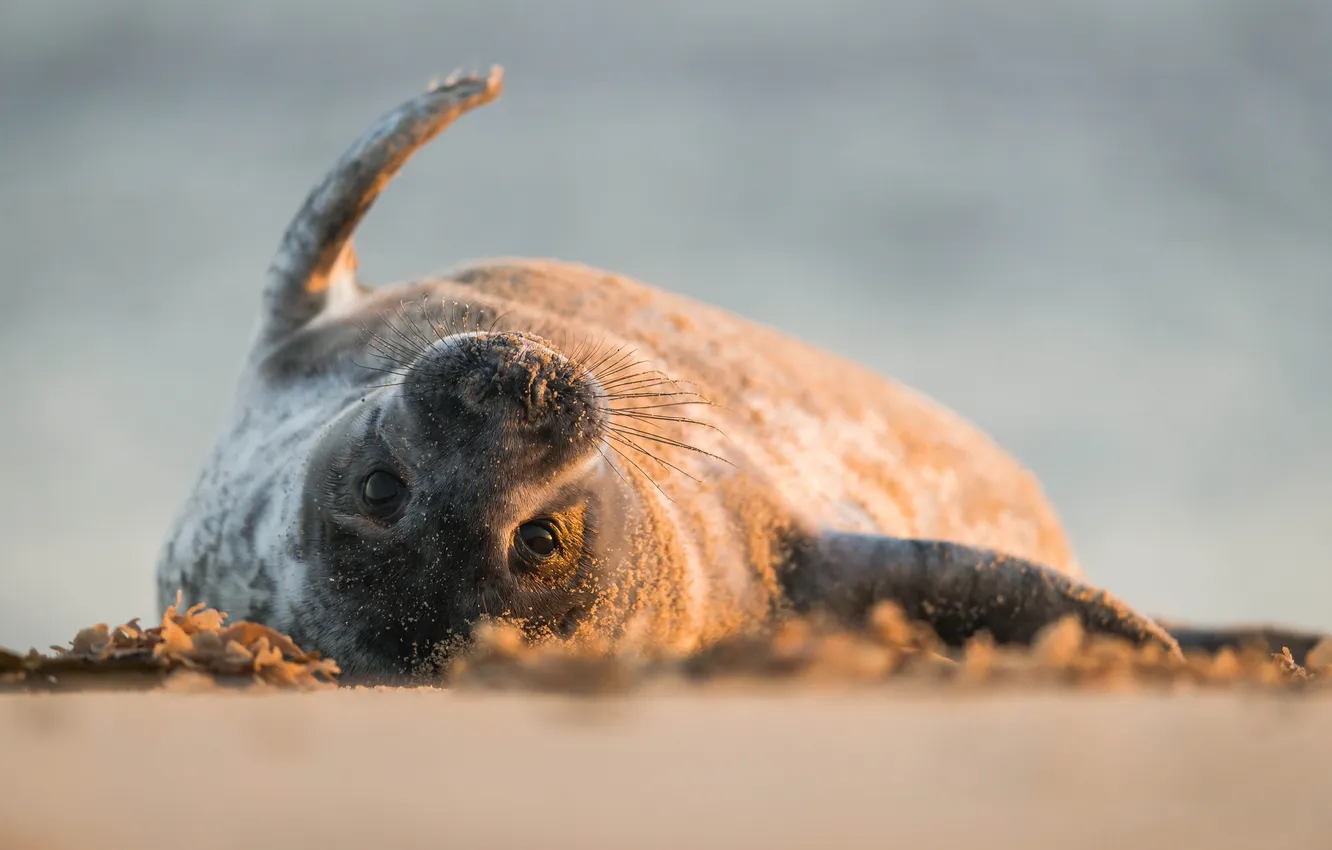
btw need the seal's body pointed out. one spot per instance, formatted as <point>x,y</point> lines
<point>585,455</point>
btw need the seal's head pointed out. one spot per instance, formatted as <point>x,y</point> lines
<point>474,486</point>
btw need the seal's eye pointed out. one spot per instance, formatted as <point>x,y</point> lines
<point>382,493</point>
<point>537,538</point>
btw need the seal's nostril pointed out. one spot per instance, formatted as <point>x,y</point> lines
<point>494,385</point>
<point>536,392</point>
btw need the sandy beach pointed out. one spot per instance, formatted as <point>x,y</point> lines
<point>771,769</point>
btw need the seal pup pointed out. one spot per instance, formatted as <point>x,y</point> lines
<point>587,457</point>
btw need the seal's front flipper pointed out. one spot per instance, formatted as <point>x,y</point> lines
<point>1269,639</point>
<point>959,590</point>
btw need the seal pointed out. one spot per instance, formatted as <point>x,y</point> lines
<point>587,457</point>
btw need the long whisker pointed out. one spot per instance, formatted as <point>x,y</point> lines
<point>389,348</point>
<point>612,354</point>
<point>655,417</point>
<point>431,323</point>
<point>647,379</point>
<point>419,334</point>
<point>706,402</point>
<point>436,325</point>
<point>650,479</point>
<point>407,342</point>
<point>623,396</point>
<point>386,357</point>
<point>614,376</point>
<point>618,389</point>
<point>401,352</point>
<point>450,319</point>
<point>582,352</point>
<point>617,365</point>
<point>400,371</point>
<point>631,444</point>
<point>601,451</point>
<point>628,430</point>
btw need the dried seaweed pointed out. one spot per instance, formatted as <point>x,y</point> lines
<point>889,650</point>
<point>198,648</point>
<point>196,641</point>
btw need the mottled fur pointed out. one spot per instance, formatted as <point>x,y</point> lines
<point>762,475</point>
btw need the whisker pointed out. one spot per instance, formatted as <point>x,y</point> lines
<point>491,329</point>
<point>622,361</point>
<point>430,321</point>
<point>623,396</point>
<point>407,354</point>
<point>377,369</point>
<point>611,355</point>
<point>436,322</point>
<point>631,444</point>
<point>451,320</point>
<point>614,358</point>
<point>408,343</point>
<point>389,348</point>
<point>435,325</point>
<point>634,383</point>
<point>382,356</point>
<point>598,353</point>
<point>409,379</point>
<point>662,406</point>
<point>647,375</point>
<point>657,417</point>
<point>614,469</point>
<point>579,357</point>
<point>617,364</point>
<point>646,435</point>
<point>650,479</point>
<point>416,328</point>
<point>395,361</point>
<point>410,325</point>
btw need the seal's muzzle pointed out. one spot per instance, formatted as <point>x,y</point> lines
<point>504,394</point>
<point>515,375</point>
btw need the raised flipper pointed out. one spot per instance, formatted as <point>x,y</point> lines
<point>958,590</point>
<point>315,260</point>
<point>1268,638</point>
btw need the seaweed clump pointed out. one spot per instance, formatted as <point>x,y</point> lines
<point>195,644</point>
<point>889,650</point>
<point>196,647</point>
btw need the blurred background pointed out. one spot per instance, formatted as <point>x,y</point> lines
<point>1100,231</point>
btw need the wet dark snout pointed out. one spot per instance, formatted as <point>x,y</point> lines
<point>518,376</point>
<point>513,383</point>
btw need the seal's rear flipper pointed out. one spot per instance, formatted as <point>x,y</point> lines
<point>316,261</point>
<point>959,590</point>
<point>1267,638</point>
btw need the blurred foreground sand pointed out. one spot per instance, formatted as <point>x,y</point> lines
<point>774,769</point>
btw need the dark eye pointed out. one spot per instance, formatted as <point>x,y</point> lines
<point>382,492</point>
<point>537,538</point>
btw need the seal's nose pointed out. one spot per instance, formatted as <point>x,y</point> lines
<point>516,373</point>
<point>508,396</point>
